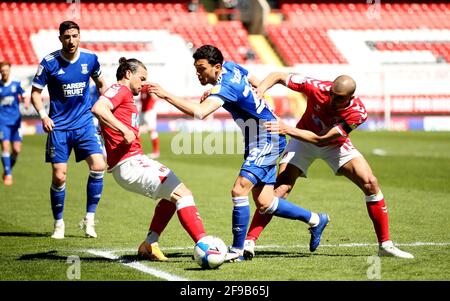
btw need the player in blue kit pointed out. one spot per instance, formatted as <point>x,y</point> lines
<point>234,91</point>
<point>69,123</point>
<point>11,93</point>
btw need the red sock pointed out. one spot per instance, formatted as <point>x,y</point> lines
<point>163,213</point>
<point>259,222</point>
<point>379,215</point>
<point>155,143</point>
<point>190,218</point>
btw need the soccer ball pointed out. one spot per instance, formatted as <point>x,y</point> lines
<point>210,252</point>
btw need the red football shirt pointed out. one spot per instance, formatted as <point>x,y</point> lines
<point>319,115</point>
<point>124,109</point>
<point>147,100</point>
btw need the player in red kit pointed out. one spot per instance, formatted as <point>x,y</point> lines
<point>332,113</point>
<point>119,119</point>
<point>148,116</point>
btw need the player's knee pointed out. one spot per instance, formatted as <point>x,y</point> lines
<point>238,190</point>
<point>370,185</point>
<point>181,192</point>
<point>98,165</point>
<point>282,191</point>
<point>59,178</point>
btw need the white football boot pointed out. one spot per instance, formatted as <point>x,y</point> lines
<point>58,230</point>
<point>88,226</point>
<point>249,249</point>
<point>387,248</point>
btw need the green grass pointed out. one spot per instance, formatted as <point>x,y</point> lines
<point>414,177</point>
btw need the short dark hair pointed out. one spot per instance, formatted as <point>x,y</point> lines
<point>5,63</point>
<point>128,64</point>
<point>67,25</point>
<point>210,53</point>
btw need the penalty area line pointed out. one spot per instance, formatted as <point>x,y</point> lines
<point>109,254</point>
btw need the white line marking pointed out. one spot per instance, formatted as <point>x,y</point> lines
<point>137,265</point>
<point>348,245</point>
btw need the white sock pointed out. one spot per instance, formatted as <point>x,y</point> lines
<point>59,222</point>
<point>152,237</point>
<point>90,216</point>
<point>314,220</point>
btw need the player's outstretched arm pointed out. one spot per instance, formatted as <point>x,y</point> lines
<point>197,110</point>
<point>36,100</point>
<point>269,81</point>
<point>282,128</point>
<point>103,112</point>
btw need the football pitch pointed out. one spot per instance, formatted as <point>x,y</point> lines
<point>413,169</point>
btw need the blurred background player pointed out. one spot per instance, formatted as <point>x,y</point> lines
<point>11,93</point>
<point>135,172</point>
<point>149,120</point>
<point>233,90</point>
<point>69,125</point>
<point>333,109</point>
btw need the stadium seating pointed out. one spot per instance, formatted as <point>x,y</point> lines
<point>20,20</point>
<point>303,36</point>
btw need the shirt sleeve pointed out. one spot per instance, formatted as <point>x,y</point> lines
<point>41,77</point>
<point>114,96</point>
<point>296,82</point>
<point>356,117</point>
<point>96,70</point>
<point>20,89</point>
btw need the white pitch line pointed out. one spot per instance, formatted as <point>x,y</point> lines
<point>138,266</point>
<point>348,245</point>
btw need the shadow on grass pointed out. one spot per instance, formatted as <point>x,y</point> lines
<point>25,234</point>
<point>32,234</point>
<point>53,255</point>
<point>275,254</point>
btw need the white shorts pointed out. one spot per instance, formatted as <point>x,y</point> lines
<point>147,177</point>
<point>149,119</point>
<point>302,154</point>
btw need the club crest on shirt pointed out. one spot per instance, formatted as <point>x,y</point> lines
<point>84,68</point>
<point>13,89</point>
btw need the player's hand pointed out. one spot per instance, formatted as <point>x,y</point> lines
<point>129,136</point>
<point>47,124</point>
<point>276,127</point>
<point>205,95</point>
<point>156,89</point>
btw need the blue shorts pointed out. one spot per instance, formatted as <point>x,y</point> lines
<point>260,165</point>
<point>10,133</point>
<point>84,141</point>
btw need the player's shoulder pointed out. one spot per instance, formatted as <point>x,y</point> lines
<point>88,54</point>
<point>321,85</point>
<point>357,102</point>
<point>51,58</point>
<point>115,90</point>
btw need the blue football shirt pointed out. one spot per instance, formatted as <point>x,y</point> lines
<point>68,86</point>
<point>9,102</point>
<point>238,98</point>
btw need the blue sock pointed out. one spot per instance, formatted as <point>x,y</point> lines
<point>94,190</point>
<point>6,160</point>
<point>241,218</point>
<point>57,196</point>
<point>286,209</point>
